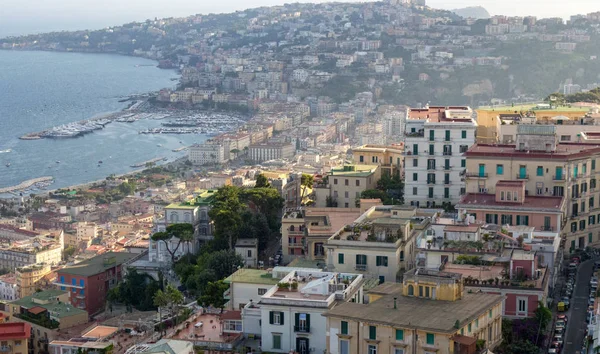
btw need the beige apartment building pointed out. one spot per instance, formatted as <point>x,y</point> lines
<point>389,158</point>
<point>548,169</point>
<point>343,185</point>
<point>379,244</point>
<point>28,278</point>
<point>429,312</point>
<point>270,151</point>
<point>16,257</point>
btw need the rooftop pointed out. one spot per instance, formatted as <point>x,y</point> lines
<point>529,107</point>
<point>83,345</point>
<point>252,276</point>
<point>98,264</point>
<point>15,330</point>
<point>246,242</point>
<point>210,331</point>
<point>47,300</point>
<point>417,312</point>
<point>534,203</point>
<point>564,151</point>
<point>99,332</point>
<point>353,171</point>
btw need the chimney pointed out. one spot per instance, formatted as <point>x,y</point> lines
<point>395,307</point>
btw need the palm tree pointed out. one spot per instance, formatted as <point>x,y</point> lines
<point>306,181</point>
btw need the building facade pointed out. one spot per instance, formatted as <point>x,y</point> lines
<point>207,153</point>
<point>436,139</point>
<point>29,277</point>
<point>274,151</point>
<point>389,158</point>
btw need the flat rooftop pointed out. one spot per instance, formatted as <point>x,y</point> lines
<point>417,312</point>
<point>563,151</point>
<point>209,331</point>
<point>100,332</point>
<point>252,276</point>
<point>353,171</point>
<point>528,107</point>
<point>483,201</point>
<point>15,330</point>
<point>98,264</point>
<point>336,218</point>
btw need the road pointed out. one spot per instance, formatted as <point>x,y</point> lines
<point>579,304</point>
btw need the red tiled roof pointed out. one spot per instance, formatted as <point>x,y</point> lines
<point>15,330</point>
<point>17,230</point>
<point>231,315</point>
<point>481,201</point>
<point>36,310</point>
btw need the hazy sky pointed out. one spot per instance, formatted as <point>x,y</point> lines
<point>30,16</point>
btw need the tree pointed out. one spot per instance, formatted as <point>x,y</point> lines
<point>224,262</point>
<point>68,252</point>
<point>183,233</point>
<point>161,300</point>
<point>543,315</point>
<point>262,181</point>
<point>213,295</point>
<point>373,194</point>
<point>306,181</point>
<point>127,188</point>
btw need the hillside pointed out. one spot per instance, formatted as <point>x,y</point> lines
<point>476,12</point>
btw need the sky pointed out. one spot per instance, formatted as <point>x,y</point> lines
<point>34,16</point>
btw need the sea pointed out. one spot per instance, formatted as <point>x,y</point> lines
<point>40,90</point>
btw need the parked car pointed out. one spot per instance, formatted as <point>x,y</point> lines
<point>560,324</point>
<point>563,317</point>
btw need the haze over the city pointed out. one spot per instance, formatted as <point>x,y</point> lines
<point>35,16</point>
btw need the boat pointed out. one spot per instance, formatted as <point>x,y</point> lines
<point>57,161</point>
<point>159,145</point>
<point>99,162</point>
<point>8,164</point>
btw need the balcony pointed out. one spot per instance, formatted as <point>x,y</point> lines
<point>295,245</point>
<point>319,254</point>
<point>361,267</point>
<point>301,329</point>
<point>558,177</point>
<point>431,167</point>
<point>475,175</point>
<point>447,153</point>
<point>547,228</point>
<point>6,348</point>
<point>447,168</point>
<point>296,233</point>
<point>522,176</point>
<point>431,181</point>
<point>447,181</point>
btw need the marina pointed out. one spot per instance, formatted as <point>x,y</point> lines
<point>41,182</point>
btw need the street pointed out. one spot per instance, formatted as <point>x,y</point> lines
<point>579,304</point>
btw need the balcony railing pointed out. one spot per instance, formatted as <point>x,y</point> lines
<point>476,175</point>
<point>431,167</point>
<point>431,181</point>
<point>558,177</point>
<point>547,228</point>
<point>301,329</point>
<point>522,176</point>
<point>447,153</point>
<point>447,181</point>
<point>361,267</point>
<point>447,168</point>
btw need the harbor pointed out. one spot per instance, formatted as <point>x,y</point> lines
<point>40,182</point>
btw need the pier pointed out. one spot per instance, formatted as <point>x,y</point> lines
<point>25,184</point>
<point>143,164</point>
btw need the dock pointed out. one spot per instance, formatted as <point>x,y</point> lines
<point>143,164</point>
<point>25,184</point>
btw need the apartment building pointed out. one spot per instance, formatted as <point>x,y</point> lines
<point>379,244</point>
<point>11,233</point>
<point>304,232</point>
<point>270,151</point>
<point>50,309</point>
<point>14,337</point>
<point>429,312</point>
<point>21,256</point>
<point>207,153</point>
<point>248,285</point>
<point>89,281</point>
<point>436,139</point>
<point>554,177</point>
<point>8,287</point>
<point>389,158</point>
<point>28,278</point>
<point>343,185</point>
<point>291,312</point>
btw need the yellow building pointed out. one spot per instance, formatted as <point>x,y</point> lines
<point>28,278</point>
<point>345,184</point>
<point>14,337</point>
<point>488,117</point>
<point>389,158</point>
<point>428,313</point>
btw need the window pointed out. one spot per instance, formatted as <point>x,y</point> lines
<point>502,195</point>
<point>276,341</point>
<point>381,279</point>
<point>335,181</point>
<point>415,162</point>
<point>431,149</point>
<point>420,290</point>
<point>262,291</point>
<point>490,314</point>
<point>427,292</point>
<point>447,137</point>
<point>539,171</point>
<point>415,191</point>
<point>302,322</point>
<point>361,158</point>
<point>522,306</point>
<point>358,183</point>
<point>276,317</point>
<point>430,192</point>
<point>592,220</point>
<point>447,164</point>
<point>399,334</point>
<point>590,237</point>
<point>381,261</point>
<point>593,164</point>
<point>574,227</point>
<point>17,343</point>
<point>401,256</point>
<point>344,327</point>
<point>373,332</point>
<point>463,163</point>
<point>477,323</point>
<point>431,135</point>
<point>430,338</point>
<point>411,290</point>
<point>399,351</point>
<point>346,194</point>
<point>372,349</point>
<point>463,134</point>
<point>344,346</point>
<point>446,192</point>
<point>346,182</point>
<point>415,149</point>
<point>340,258</point>
<point>581,225</point>
<point>463,148</point>
<point>249,253</point>
<point>469,328</point>
<point>499,169</point>
<point>415,176</point>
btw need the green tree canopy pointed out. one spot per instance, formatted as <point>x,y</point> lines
<point>262,181</point>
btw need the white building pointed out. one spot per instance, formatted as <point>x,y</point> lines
<point>436,138</point>
<point>292,318</point>
<point>247,248</point>
<point>207,153</point>
<point>8,287</point>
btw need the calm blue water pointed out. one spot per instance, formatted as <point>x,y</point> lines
<point>40,90</point>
